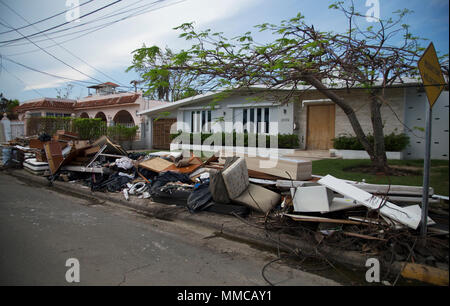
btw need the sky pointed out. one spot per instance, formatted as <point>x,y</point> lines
<point>103,53</point>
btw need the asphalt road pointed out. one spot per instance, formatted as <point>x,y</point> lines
<point>41,229</point>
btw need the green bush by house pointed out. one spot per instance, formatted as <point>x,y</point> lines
<point>285,141</point>
<point>393,142</point>
<point>86,128</point>
<point>120,133</point>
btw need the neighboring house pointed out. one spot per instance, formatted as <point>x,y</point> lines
<point>107,104</point>
<point>313,118</point>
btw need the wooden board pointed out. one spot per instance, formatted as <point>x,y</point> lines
<point>320,127</point>
<point>91,150</point>
<point>156,164</point>
<point>54,155</point>
<point>161,133</point>
<point>36,144</point>
<point>320,219</point>
<point>194,164</point>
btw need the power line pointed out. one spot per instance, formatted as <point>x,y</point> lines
<point>68,51</point>
<point>45,19</point>
<point>58,59</point>
<point>46,73</point>
<point>15,76</point>
<point>60,25</point>
<point>97,27</point>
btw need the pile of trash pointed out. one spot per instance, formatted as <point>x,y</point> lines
<point>288,198</point>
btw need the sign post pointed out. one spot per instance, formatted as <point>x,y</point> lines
<point>434,83</point>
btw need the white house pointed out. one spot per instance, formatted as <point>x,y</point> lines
<point>309,115</point>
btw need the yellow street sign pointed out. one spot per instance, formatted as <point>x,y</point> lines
<point>431,73</point>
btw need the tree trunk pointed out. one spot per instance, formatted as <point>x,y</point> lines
<point>379,158</point>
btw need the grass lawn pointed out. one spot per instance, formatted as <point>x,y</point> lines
<point>338,168</point>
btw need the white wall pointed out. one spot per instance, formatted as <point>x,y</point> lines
<point>415,112</point>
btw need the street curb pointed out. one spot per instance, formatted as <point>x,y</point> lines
<point>222,225</point>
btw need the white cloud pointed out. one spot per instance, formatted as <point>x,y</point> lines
<point>110,49</point>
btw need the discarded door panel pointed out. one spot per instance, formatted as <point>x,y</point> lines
<point>386,208</point>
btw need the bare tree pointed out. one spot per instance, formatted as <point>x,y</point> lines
<point>64,93</point>
<point>163,84</point>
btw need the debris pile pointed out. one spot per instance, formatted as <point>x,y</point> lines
<point>372,219</point>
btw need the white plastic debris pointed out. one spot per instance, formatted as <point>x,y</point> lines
<point>124,163</point>
<point>125,194</point>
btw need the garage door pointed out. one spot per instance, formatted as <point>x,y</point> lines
<point>161,133</point>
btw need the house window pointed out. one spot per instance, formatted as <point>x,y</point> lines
<point>57,115</point>
<point>201,121</point>
<point>244,119</point>
<point>262,123</point>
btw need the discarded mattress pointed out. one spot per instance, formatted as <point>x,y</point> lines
<point>235,178</point>
<point>35,167</point>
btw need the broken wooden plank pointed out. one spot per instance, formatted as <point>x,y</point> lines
<point>91,150</point>
<point>306,218</point>
<point>290,184</point>
<point>425,273</point>
<point>373,202</point>
<point>193,164</point>
<point>410,199</point>
<point>262,182</point>
<point>111,147</point>
<point>83,169</point>
<point>261,175</point>
<point>392,189</point>
<point>362,236</point>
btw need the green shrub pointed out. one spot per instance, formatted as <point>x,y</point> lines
<point>285,141</point>
<point>49,125</point>
<point>392,142</point>
<point>86,128</point>
<point>121,133</point>
<point>89,129</point>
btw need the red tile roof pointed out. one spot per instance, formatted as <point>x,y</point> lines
<point>45,104</point>
<point>107,101</point>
